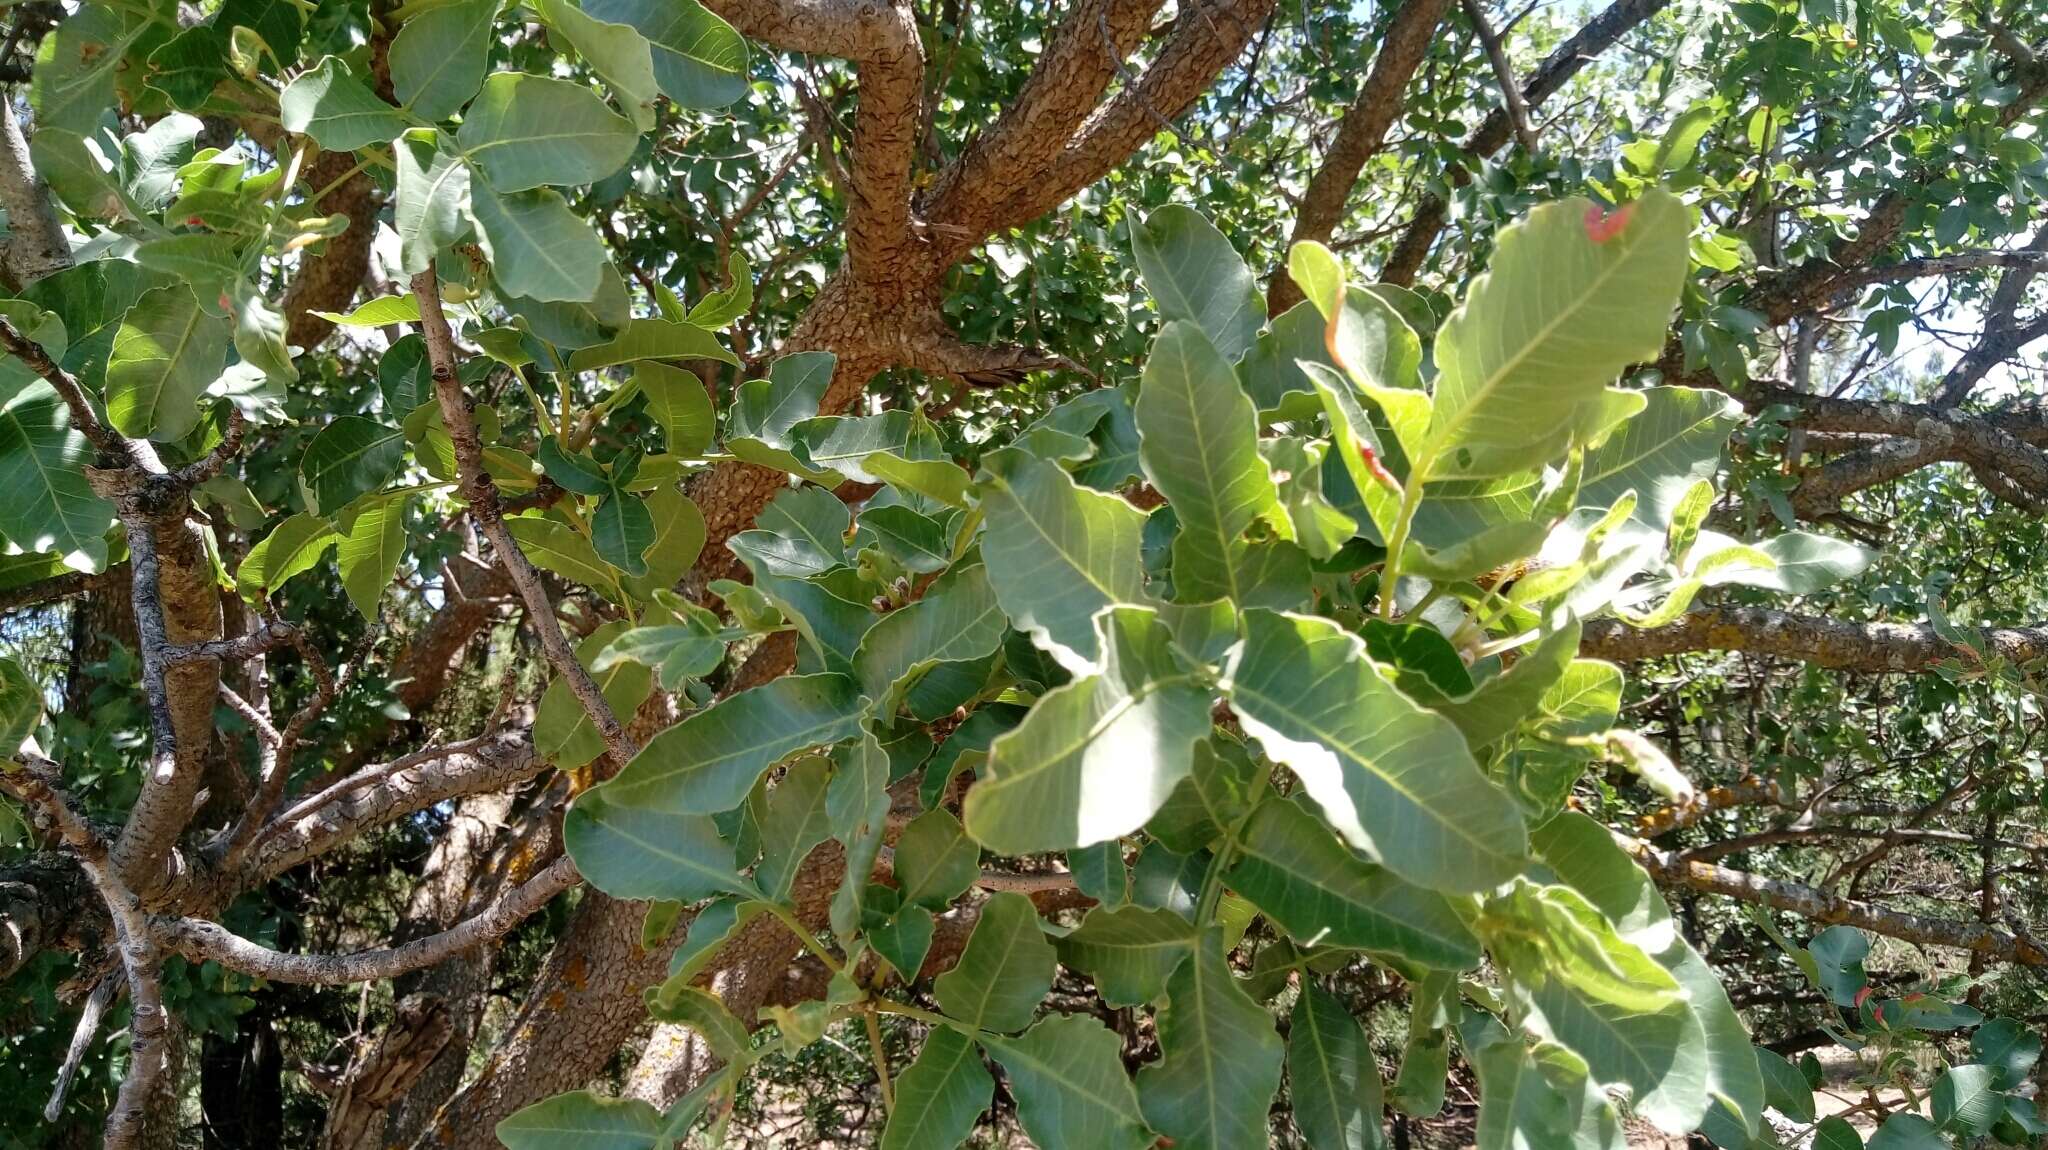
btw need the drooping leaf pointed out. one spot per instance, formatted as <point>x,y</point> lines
<point>1007,968</point>
<point>1057,553</point>
<point>675,1001</point>
<point>1393,779</point>
<point>165,354</point>
<point>795,822</point>
<point>941,1094</point>
<point>1220,1057</point>
<point>291,548</point>
<point>1332,1075</point>
<point>1294,870</point>
<point>432,211</point>
<point>1195,275</point>
<point>1199,437</point>
<point>1067,1074</point>
<point>935,860</point>
<point>709,761</point>
<point>622,530</point>
<point>1096,757</point>
<point>369,553</point>
<point>678,402</point>
<point>49,505</point>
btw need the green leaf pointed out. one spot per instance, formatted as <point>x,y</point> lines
<point>795,822</point>
<point>432,211</point>
<point>1425,1058</point>
<point>1393,779</point>
<point>438,58</point>
<point>1500,704</point>
<point>1129,951</point>
<point>1096,757</point>
<point>49,505</point>
<point>536,246</point>
<point>1966,1099</point>
<point>202,260</point>
<point>722,306</point>
<point>1271,371</point>
<point>338,110</point>
<point>72,83</point>
<point>616,52</point>
<point>1057,553</point>
<point>1200,446</point>
<point>957,620</point>
<point>919,542</point>
<point>622,530</point>
<point>679,1002</point>
<point>368,555</point>
<point>562,731</point>
<point>165,354</point>
<point>1220,1058</point>
<point>1585,856</point>
<point>1332,1076</point>
<point>1557,315</point>
<point>1294,870</point>
<point>1835,1133</point>
<point>278,24</point>
<point>653,339</point>
<point>555,546</point>
<point>526,131</point>
<point>677,652</point>
<point>21,706</point>
<point>352,456</point>
<point>844,443</point>
<point>765,410</point>
<point>940,1095</point>
<point>938,479</point>
<point>1527,1098</point>
<point>677,400</point>
<point>1006,969</point>
<point>1297,470</point>
<point>1907,1131</point>
<point>1067,1074</point>
<point>1806,563</point>
<point>1785,1089</point>
<point>935,860</point>
<point>648,849</point>
<point>572,471</point>
<point>584,1120</point>
<point>291,548</point>
<point>1195,275</point>
<point>715,925</point>
<point>709,761</point>
<point>1212,798</point>
<point>2008,1048</point>
<point>379,312</point>
<point>699,61</point>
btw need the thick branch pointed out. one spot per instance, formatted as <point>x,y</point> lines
<point>35,245</point>
<point>1599,34</point>
<point>1359,135</point>
<point>200,940</point>
<point>1823,642</point>
<point>1671,870</point>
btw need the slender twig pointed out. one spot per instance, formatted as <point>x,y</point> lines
<point>482,494</point>
<point>1504,75</point>
<point>89,1020</point>
<point>200,940</point>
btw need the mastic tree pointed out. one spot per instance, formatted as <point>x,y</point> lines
<point>568,563</point>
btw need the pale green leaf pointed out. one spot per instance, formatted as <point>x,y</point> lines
<point>538,249</point>
<point>649,849</point>
<point>1096,757</point>
<point>653,339</point>
<point>368,555</point>
<point>562,730</point>
<point>1556,316</point>
<point>956,620</point>
<point>585,1121</point>
<point>616,52</point>
<point>699,61</point>
<point>1392,778</point>
<point>1195,275</point>
<point>432,211</point>
<point>678,401</point>
<point>678,1002</point>
<point>438,58</point>
<point>555,546</point>
<point>49,505</point>
<point>165,354</point>
<point>379,312</point>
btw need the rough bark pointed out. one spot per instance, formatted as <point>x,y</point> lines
<point>34,245</point>
<point>1838,644</point>
<point>328,280</point>
<point>1360,134</point>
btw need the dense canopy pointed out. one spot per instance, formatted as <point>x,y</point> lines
<point>1112,573</point>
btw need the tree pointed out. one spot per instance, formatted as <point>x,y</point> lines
<point>746,522</point>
